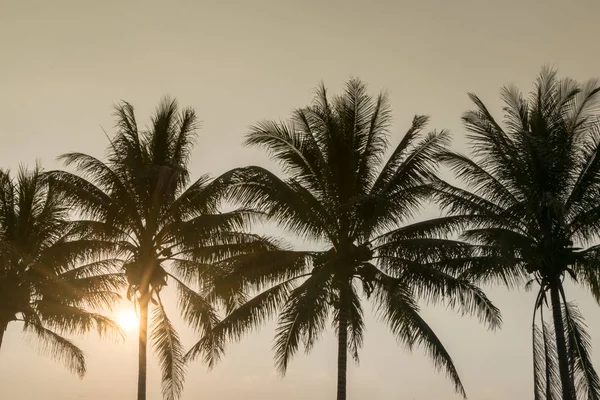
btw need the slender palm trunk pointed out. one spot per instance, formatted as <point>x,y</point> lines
<point>342,353</point>
<point>143,341</point>
<point>561,345</point>
<point>3,326</point>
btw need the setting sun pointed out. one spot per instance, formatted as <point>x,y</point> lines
<point>128,320</point>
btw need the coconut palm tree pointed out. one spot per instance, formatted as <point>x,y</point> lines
<point>53,279</point>
<point>340,194</point>
<point>530,201</point>
<point>166,228</point>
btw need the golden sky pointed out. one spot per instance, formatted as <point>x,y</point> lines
<point>64,63</point>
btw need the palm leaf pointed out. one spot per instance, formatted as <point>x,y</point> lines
<point>400,312</point>
<point>303,316</point>
<point>539,364</point>
<point>587,382</point>
<point>166,343</point>
<point>246,317</point>
<point>59,348</point>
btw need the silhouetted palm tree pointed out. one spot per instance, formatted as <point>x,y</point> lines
<point>533,190</point>
<point>340,192</point>
<point>143,201</point>
<point>52,277</point>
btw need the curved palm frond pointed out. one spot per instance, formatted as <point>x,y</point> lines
<point>166,343</point>
<point>539,363</point>
<point>399,310</point>
<point>74,320</point>
<point>196,310</point>
<point>59,348</point>
<point>587,382</point>
<point>287,202</point>
<point>302,317</point>
<point>247,316</point>
<point>436,286</point>
<point>254,271</point>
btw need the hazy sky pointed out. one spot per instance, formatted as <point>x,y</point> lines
<point>64,63</point>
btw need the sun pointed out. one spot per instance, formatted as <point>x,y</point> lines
<point>128,320</point>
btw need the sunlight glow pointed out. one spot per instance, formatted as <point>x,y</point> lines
<point>128,320</point>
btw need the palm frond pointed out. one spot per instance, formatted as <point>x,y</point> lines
<point>553,385</point>
<point>196,310</point>
<point>166,343</point>
<point>457,201</point>
<point>303,316</point>
<point>407,185</point>
<point>256,270</point>
<point>292,149</point>
<point>401,313</point>
<point>479,180</point>
<point>248,316</point>
<point>200,197</point>
<point>205,227</point>
<point>539,364</point>
<point>445,226</point>
<point>100,176</point>
<point>222,247</point>
<point>58,348</point>
<point>376,140</point>
<point>587,382</point>
<point>288,203</point>
<point>587,271</point>
<point>80,192</point>
<point>74,320</point>
<point>435,286</point>
<point>93,268</point>
<point>400,152</point>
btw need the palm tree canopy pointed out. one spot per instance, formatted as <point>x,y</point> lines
<point>53,277</point>
<point>165,227</point>
<point>340,190</point>
<point>530,200</point>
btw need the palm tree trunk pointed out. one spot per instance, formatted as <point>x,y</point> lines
<point>342,353</point>
<point>3,326</point>
<point>561,345</point>
<point>143,341</point>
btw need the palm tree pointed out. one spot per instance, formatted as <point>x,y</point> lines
<point>166,229</point>
<point>531,204</point>
<point>339,192</point>
<point>52,277</point>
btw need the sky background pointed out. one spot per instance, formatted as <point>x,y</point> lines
<point>63,64</point>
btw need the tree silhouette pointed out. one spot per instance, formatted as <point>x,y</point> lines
<point>165,229</point>
<point>53,277</point>
<point>532,192</point>
<point>339,191</point>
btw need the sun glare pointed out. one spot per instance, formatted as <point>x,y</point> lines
<point>128,320</point>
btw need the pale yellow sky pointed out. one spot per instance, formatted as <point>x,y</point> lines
<point>64,63</point>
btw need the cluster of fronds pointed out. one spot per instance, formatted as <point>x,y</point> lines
<point>54,278</point>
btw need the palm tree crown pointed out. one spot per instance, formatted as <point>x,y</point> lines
<point>166,228</point>
<point>52,276</point>
<point>339,191</point>
<point>531,204</point>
